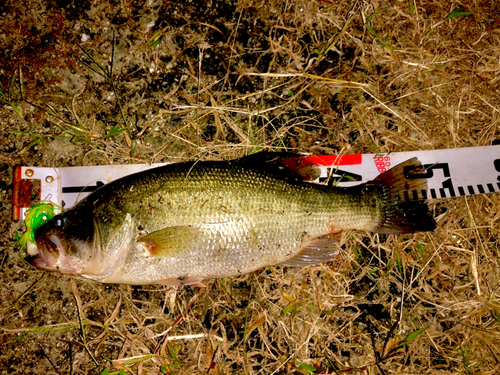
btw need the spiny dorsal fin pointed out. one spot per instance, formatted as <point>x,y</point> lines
<point>283,163</point>
<point>316,251</point>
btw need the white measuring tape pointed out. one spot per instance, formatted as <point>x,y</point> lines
<point>449,173</point>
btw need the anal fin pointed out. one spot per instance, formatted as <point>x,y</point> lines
<point>177,281</point>
<point>317,251</point>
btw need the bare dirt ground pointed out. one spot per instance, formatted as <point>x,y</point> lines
<point>197,79</point>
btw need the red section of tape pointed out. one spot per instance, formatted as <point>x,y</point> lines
<point>333,160</point>
<point>22,190</point>
<point>306,166</point>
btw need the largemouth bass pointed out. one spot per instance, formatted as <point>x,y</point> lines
<point>187,222</point>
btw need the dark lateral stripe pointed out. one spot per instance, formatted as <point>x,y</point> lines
<point>461,190</point>
<point>481,189</point>
<point>491,188</point>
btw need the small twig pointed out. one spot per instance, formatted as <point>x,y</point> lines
<point>388,336</point>
<point>20,75</point>
<point>27,290</point>
<point>374,346</point>
<point>200,59</point>
<point>429,260</point>
<point>80,319</point>
<point>316,330</point>
<point>161,347</point>
<point>184,337</point>
<point>211,365</point>
<point>73,100</point>
<point>245,328</point>
<point>70,358</point>
<point>334,39</point>
<point>474,256</point>
<point>107,74</point>
<point>378,357</point>
<point>112,56</point>
<point>50,360</point>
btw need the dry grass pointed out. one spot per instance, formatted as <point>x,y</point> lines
<point>307,76</point>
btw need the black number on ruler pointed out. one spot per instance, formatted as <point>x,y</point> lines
<point>429,173</point>
<point>448,184</point>
<point>496,163</point>
<point>83,189</point>
<point>344,176</point>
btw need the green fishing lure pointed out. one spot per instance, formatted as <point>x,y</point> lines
<point>36,216</point>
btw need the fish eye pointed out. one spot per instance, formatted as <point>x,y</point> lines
<point>60,221</point>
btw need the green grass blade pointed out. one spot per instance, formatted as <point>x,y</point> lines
<point>11,85</point>
<point>374,33</point>
<point>307,367</point>
<point>460,12</point>
<point>411,5</point>
<point>412,336</point>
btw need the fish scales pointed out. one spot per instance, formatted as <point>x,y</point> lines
<point>192,221</point>
<point>247,219</point>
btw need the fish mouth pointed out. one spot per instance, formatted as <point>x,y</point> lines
<point>38,261</point>
<point>51,255</point>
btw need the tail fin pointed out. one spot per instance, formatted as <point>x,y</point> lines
<point>403,195</point>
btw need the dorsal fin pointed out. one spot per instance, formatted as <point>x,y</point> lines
<point>283,163</point>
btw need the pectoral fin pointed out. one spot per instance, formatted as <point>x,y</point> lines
<point>170,241</point>
<point>318,250</point>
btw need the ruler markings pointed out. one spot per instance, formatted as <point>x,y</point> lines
<point>491,188</point>
<point>448,184</point>
<point>415,194</point>
<point>461,190</point>
<point>406,195</point>
<point>481,189</point>
<point>496,163</point>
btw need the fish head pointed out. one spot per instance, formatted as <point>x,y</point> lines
<point>82,242</point>
<point>65,245</point>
